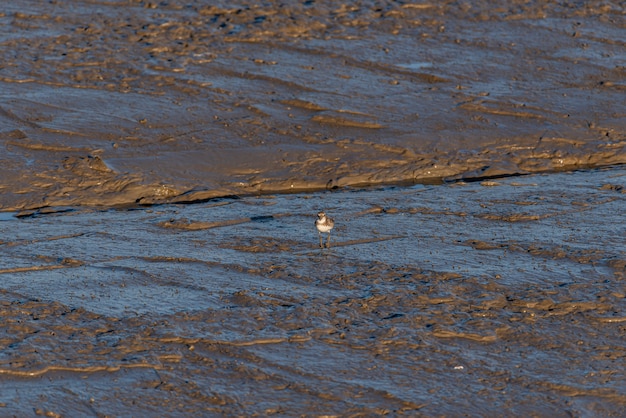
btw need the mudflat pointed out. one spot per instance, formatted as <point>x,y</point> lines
<point>119,102</point>
<point>432,300</point>
<point>162,163</point>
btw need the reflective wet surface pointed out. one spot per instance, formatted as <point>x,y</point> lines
<point>434,300</point>
<point>162,163</point>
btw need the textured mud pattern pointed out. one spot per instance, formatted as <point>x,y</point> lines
<point>453,300</point>
<point>471,155</point>
<point>115,102</point>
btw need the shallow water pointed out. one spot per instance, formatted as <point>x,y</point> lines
<point>435,300</point>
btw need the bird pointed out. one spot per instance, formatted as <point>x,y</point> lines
<point>324,224</point>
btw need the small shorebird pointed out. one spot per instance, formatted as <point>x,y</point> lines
<point>324,224</point>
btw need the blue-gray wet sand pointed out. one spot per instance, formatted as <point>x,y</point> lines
<point>453,299</point>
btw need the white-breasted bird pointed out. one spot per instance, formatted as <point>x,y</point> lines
<point>324,224</point>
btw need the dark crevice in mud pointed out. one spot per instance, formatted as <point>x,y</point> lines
<point>185,200</point>
<point>42,211</point>
<point>573,169</point>
<point>473,179</point>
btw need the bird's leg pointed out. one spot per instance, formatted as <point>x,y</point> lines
<point>328,242</point>
<point>321,241</point>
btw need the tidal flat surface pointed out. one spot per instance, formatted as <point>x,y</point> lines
<point>457,299</point>
<point>162,163</point>
<point>117,102</point>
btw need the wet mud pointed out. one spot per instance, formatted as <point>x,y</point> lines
<point>162,163</point>
<point>450,300</point>
<point>106,103</point>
